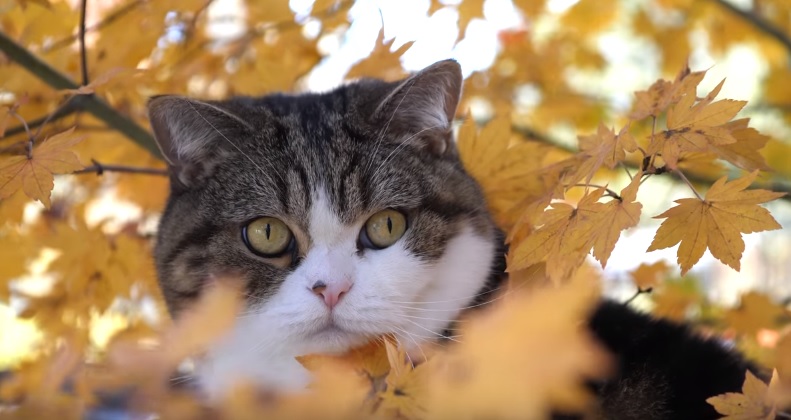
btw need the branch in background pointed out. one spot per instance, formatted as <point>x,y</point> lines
<point>83,54</point>
<point>112,17</point>
<point>100,168</point>
<point>62,112</point>
<point>759,22</point>
<point>530,133</point>
<point>96,106</point>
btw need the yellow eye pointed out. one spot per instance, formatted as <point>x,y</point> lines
<point>383,229</point>
<point>267,236</point>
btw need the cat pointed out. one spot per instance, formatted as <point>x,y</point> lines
<point>350,215</point>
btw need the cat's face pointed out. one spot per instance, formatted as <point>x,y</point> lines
<point>348,213</point>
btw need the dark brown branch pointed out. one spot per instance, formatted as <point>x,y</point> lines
<point>100,168</point>
<point>83,54</point>
<point>112,17</point>
<point>638,293</point>
<point>759,23</point>
<point>96,106</point>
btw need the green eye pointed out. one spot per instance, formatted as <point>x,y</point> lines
<point>383,229</point>
<point>267,236</point>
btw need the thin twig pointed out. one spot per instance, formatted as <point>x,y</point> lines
<point>59,113</point>
<point>759,23</point>
<point>100,168</point>
<point>609,192</point>
<point>83,55</point>
<point>112,17</point>
<point>638,293</point>
<point>689,184</point>
<point>29,144</point>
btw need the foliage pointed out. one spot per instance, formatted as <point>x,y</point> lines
<point>72,271</point>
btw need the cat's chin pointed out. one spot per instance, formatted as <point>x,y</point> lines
<point>334,339</point>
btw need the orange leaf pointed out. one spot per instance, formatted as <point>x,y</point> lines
<point>756,311</point>
<point>382,62</point>
<point>648,276</point>
<point>716,223</point>
<point>750,404</point>
<point>35,175</point>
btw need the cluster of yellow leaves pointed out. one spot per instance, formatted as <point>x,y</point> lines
<point>562,234</point>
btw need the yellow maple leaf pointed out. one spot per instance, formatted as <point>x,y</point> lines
<point>602,148</point>
<point>744,152</point>
<point>516,362</point>
<point>663,93</point>
<point>751,404</point>
<point>469,10</point>
<point>35,174</point>
<point>647,276</point>
<point>616,215</point>
<point>382,63</point>
<point>692,125</point>
<point>716,222</point>
<point>755,312</point>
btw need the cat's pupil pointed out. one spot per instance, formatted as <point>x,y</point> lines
<point>268,230</point>
<point>389,225</point>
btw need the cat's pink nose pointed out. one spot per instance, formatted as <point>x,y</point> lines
<point>331,291</point>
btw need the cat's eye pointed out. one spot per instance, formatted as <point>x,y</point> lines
<point>267,236</point>
<point>383,229</point>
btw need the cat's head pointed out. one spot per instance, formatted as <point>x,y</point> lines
<point>348,213</point>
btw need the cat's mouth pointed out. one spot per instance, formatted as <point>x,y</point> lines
<point>332,337</point>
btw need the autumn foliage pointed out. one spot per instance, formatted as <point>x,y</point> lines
<point>74,80</point>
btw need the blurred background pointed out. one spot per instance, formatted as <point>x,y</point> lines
<point>558,68</point>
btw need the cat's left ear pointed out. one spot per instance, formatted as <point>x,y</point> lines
<point>421,108</point>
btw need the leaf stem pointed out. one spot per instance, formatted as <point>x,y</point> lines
<point>689,184</point>
<point>29,144</point>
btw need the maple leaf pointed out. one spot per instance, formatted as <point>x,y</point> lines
<point>716,222</point>
<point>693,127</point>
<point>35,175</point>
<point>515,362</point>
<point>744,152</point>
<point>616,215</point>
<point>751,404</point>
<point>602,148</point>
<point>382,62</point>
<point>469,10</point>
<point>663,93</point>
<point>648,276</point>
<point>756,311</point>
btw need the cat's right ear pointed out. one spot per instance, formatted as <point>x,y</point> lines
<point>191,135</point>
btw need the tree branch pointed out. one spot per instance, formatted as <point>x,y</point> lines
<point>100,168</point>
<point>96,106</point>
<point>759,23</point>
